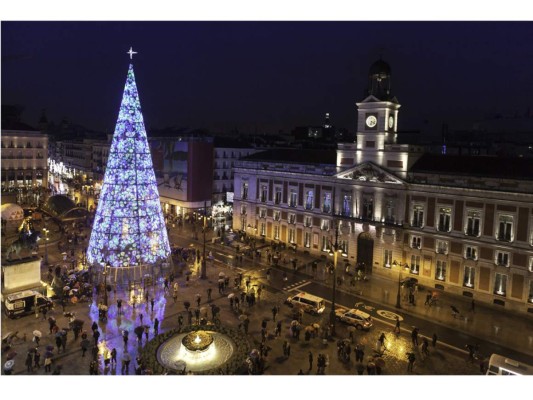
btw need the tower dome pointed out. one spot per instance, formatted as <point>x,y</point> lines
<point>379,80</point>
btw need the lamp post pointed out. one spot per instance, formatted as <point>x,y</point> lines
<point>204,264</point>
<point>398,295</point>
<point>105,282</point>
<point>334,251</point>
<point>46,230</point>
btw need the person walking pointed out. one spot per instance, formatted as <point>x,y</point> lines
<point>434,340</point>
<point>114,357</point>
<point>310,357</point>
<point>119,306</point>
<point>414,336</point>
<point>274,313</point>
<point>29,362</point>
<point>198,299</point>
<point>37,359</point>
<point>425,347</point>
<point>411,358</point>
<point>180,321</point>
<point>152,303</point>
<point>126,358</point>
<point>209,290</point>
<point>96,336</point>
<point>146,332</point>
<point>156,327</point>
<point>397,329</point>
<point>141,318</point>
<point>278,329</point>
<point>48,363</point>
<point>125,335</point>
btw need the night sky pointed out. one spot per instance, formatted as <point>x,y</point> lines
<point>266,76</point>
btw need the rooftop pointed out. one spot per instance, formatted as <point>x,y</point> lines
<point>298,156</point>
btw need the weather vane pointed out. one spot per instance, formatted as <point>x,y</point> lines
<point>131,53</point>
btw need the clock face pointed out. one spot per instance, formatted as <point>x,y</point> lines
<point>371,121</point>
<point>391,122</point>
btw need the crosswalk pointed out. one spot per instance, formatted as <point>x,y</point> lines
<point>295,285</point>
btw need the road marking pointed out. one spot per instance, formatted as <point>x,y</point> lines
<point>389,315</point>
<point>296,285</point>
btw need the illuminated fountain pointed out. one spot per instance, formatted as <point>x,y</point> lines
<point>198,351</point>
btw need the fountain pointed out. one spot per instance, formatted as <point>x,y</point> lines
<point>198,351</point>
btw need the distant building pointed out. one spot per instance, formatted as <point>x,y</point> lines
<point>24,153</point>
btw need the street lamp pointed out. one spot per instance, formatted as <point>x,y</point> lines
<point>398,295</point>
<point>105,273</point>
<point>204,263</point>
<point>46,230</point>
<point>334,251</point>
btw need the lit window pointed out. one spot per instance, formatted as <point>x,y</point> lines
<point>445,217</point>
<point>415,264</point>
<point>390,212</point>
<point>418,216</point>
<point>264,192</point>
<point>326,205</point>
<point>277,215</point>
<point>416,242</point>
<point>368,208</point>
<point>442,247</point>
<point>276,232</point>
<point>469,277</point>
<point>293,199</point>
<point>502,258</point>
<point>440,271</point>
<point>244,191</point>
<point>347,206</point>
<point>505,228</point>
<point>243,223</point>
<point>263,229</point>
<point>324,225</point>
<point>277,195</point>
<point>309,200</point>
<point>262,213</point>
<point>292,237</point>
<point>308,221</point>
<point>500,284</point>
<point>471,253</point>
<point>473,223</point>
<point>243,209</point>
<point>387,258</point>
<point>292,218</point>
<point>307,239</point>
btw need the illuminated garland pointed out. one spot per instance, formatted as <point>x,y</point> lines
<point>129,228</point>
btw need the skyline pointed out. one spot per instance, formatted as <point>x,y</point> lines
<point>266,76</point>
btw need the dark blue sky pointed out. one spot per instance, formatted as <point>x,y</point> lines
<point>269,75</point>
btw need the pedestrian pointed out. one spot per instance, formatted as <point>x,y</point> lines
<point>59,343</point>
<point>209,290</point>
<point>125,335</point>
<point>310,361</point>
<point>93,368</point>
<point>64,341</point>
<point>156,327</point>
<point>278,329</point>
<point>44,310</point>
<point>133,301</point>
<point>274,313</point>
<point>425,346</point>
<point>94,326</point>
<point>48,363</point>
<point>37,359</point>
<point>141,318</point>
<point>414,336</point>
<point>434,340</point>
<point>259,291</point>
<point>146,332</point>
<point>180,321</point>
<point>126,358</point>
<point>473,306</point>
<point>198,299</point>
<point>36,339</point>
<point>411,357</point>
<point>397,327</point>
<point>96,335</point>
<point>360,368</point>
<point>119,306</point>
<point>29,362</point>
<point>428,299</point>
<point>236,301</point>
<point>152,303</point>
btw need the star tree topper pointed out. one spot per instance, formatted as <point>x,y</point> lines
<point>131,53</point>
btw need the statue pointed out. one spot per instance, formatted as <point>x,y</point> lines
<point>25,241</point>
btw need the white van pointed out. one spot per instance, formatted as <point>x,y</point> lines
<point>23,303</point>
<point>307,302</point>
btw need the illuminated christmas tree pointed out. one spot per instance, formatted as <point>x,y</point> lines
<point>129,229</point>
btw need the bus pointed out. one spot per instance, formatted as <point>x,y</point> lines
<point>501,365</point>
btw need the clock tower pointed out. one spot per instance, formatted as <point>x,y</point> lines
<point>377,126</point>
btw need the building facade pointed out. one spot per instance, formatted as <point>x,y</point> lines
<point>463,225</point>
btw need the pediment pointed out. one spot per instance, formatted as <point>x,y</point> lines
<point>369,172</point>
<point>370,99</point>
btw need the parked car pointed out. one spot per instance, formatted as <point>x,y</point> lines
<point>354,317</point>
<point>23,303</point>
